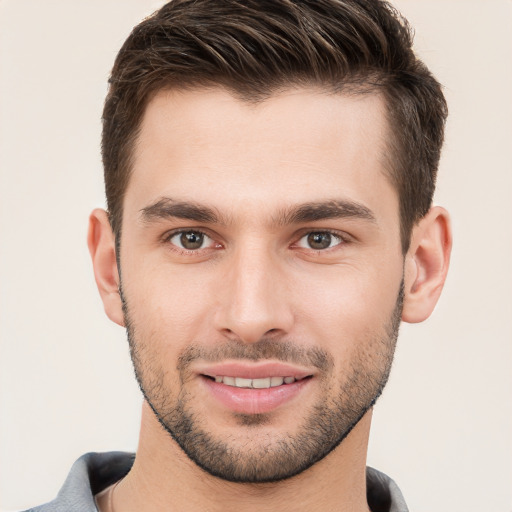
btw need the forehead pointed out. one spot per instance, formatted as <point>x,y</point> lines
<point>296,146</point>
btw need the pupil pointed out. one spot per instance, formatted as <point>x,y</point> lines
<point>319,240</point>
<point>191,240</point>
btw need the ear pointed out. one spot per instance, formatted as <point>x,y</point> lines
<point>102,247</point>
<point>426,264</point>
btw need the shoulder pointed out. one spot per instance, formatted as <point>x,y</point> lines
<point>383,494</point>
<point>89,475</point>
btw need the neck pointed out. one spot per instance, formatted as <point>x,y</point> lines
<point>163,478</point>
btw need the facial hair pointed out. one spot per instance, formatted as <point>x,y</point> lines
<point>264,457</point>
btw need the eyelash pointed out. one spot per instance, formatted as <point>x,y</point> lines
<point>342,240</point>
<point>169,236</point>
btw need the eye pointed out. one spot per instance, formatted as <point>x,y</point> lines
<point>319,240</point>
<point>191,240</point>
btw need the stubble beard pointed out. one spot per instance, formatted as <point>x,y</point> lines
<point>271,458</point>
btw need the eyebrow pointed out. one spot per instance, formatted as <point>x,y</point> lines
<point>332,209</point>
<point>166,208</point>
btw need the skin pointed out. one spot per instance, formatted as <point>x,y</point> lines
<point>256,278</point>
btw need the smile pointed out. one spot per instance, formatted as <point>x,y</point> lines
<point>254,394</point>
<point>263,383</point>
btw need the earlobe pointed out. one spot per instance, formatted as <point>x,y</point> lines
<point>426,264</point>
<point>102,247</point>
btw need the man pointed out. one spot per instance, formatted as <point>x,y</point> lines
<point>269,172</point>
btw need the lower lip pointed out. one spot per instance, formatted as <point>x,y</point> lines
<point>254,401</point>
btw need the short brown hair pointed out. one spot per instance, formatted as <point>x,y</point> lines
<point>257,47</point>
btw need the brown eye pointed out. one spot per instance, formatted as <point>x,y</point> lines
<point>190,240</point>
<point>319,240</point>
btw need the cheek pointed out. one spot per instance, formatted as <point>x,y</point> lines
<point>348,308</point>
<point>168,308</point>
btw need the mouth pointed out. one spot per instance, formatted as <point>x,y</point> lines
<point>262,383</point>
<point>255,388</point>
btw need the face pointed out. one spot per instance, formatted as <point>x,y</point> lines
<point>261,273</point>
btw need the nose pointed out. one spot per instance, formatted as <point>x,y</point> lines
<point>254,298</point>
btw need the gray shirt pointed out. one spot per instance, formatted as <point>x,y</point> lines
<point>94,472</point>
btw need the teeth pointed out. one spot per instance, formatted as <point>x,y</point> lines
<point>276,381</point>
<point>243,383</point>
<point>230,381</point>
<point>264,383</point>
<point>261,383</point>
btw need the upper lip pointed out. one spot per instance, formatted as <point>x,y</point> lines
<point>254,370</point>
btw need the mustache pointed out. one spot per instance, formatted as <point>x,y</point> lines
<point>280,350</point>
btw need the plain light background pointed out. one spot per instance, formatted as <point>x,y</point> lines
<point>442,429</point>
